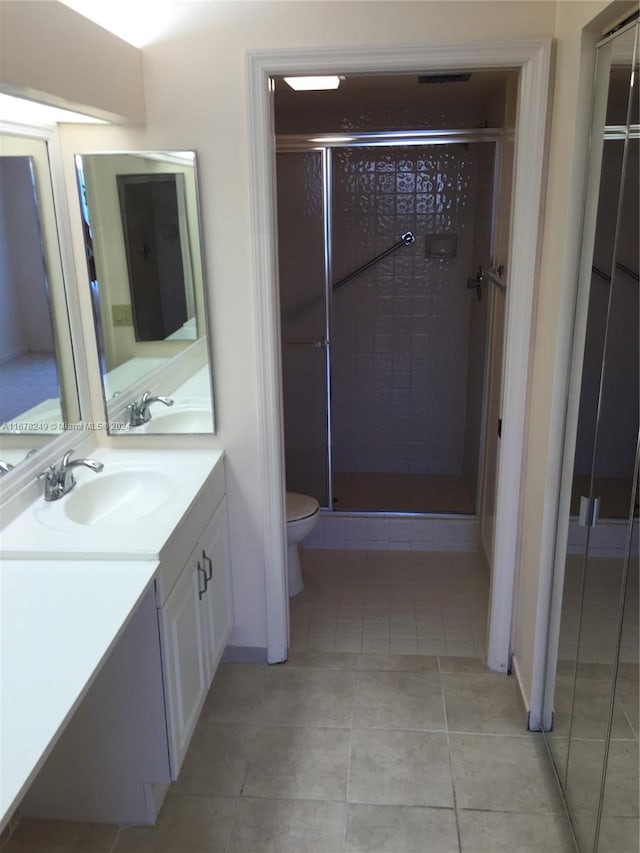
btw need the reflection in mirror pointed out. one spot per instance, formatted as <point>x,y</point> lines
<point>153,209</point>
<point>37,376</point>
<point>594,726</point>
<point>619,819</point>
<point>144,258</point>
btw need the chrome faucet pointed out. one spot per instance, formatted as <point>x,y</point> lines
<point>139,412</point>
<point>59,479</point>
<point>5,467</point>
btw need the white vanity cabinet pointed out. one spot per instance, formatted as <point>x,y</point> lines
<point>195,623</point>
<point>127,739</point>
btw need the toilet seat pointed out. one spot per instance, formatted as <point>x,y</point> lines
<point>300,506</point>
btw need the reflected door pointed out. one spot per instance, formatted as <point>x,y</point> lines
<point>151,225</point>
<point>304,321</point>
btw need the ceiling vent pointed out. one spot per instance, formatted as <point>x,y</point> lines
<point>444,78</point>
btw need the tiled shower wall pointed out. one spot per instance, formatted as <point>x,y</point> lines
<point>401,330</point>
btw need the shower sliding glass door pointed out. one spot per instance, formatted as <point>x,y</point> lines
<point>384,377</point>
<point>408,334</point>
<point>303,269</point>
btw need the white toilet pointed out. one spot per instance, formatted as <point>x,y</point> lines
<point>302,516</point>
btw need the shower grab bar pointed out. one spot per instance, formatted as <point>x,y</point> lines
<point>405,240</point>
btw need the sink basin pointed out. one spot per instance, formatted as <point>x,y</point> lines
<point>117,497</point>
<point>113,497</point>
<point>192,419</point>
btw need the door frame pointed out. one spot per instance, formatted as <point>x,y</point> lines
<point>533,59</point>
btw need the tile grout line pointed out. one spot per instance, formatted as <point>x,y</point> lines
<point>346,805</point>
<point>256,726</point>
<point>632,727</point>
<point>453,786</point>
<point>236,808</point>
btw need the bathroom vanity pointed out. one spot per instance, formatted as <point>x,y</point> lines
<point>120,616</point>
<point>115,598</point>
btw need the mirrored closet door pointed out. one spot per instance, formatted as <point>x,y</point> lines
<point>592,701</point>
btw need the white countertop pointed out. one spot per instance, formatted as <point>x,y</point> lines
<point>59,621</point>
<point>43,531</point>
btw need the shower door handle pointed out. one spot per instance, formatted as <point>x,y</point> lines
<point>321,343</point>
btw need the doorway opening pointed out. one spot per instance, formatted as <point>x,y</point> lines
<point>391,192</point>
<point>392,199</point>
<point>532,61</point>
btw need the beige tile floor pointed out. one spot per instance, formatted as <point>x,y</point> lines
<point>368,750</point>
<point>391,602</point>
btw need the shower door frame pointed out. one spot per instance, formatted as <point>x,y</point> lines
<point>532,58</point>
<point>325,143</point>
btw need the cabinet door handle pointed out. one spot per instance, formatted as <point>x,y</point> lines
<point>201,592</point>
<point>210,562</point>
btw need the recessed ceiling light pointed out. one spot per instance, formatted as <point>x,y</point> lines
<point>312,84</point>
<point>138,23</point>
<point>31,112</point>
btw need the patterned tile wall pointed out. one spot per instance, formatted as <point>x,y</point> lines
<point>400,330</point>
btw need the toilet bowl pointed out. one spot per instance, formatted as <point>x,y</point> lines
<point>302,516</point>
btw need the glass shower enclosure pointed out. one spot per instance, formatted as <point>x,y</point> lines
<point>384,370</point>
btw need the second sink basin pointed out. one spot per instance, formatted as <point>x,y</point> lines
<point>180,418</point>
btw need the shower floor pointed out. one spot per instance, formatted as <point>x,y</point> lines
<point>436,493</point>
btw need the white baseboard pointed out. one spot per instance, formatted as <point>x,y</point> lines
<point>524,698</point>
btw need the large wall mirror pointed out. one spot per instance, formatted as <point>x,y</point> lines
<point>39,396</point>
<point>141,226</point>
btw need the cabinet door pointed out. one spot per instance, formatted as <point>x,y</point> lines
<point>213,553</point>
<point>184,659</point>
